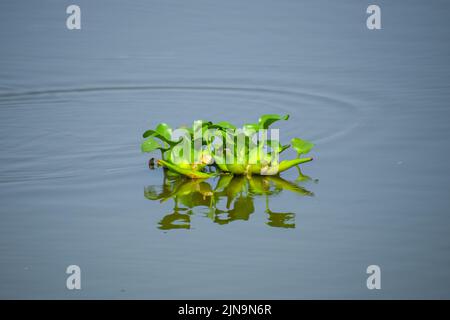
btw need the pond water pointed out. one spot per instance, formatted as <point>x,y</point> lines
<point>75,188</point>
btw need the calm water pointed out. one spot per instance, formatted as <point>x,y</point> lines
<point>75,189</point>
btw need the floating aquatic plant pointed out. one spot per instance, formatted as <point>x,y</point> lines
<point>208,149</point>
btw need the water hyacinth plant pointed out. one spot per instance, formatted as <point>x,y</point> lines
<point>195,151</point>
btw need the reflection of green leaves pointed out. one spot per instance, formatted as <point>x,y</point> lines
<point>165,130</point>
<point>175,220</point>
<point>242,209</point>
<point>301,146</point>
<point>223,182</point>
<point>280,219</point>
<point>259,185</point>
<point>238,193</point>
<point>303,177</point>
<point>151,194</point>
<point>290,186</point>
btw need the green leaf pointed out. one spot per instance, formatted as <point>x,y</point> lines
<point>200,125</point>
<point>301,146</point>
<point>276,146</point>
<point>288,185</point>
<point>224,125</point>
<point>287,164</point>
<point>156,134</point>
<point>162,129</point>
<point>285,147</point>
<point>266,120</point>
<point>150,145</point>
<point>148,133</point>
<point>187,172</point>
<point>250,128</point>
<point>249,158</point>
<point>165,130</point>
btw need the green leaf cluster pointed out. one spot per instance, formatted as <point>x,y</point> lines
<point>224,149</point>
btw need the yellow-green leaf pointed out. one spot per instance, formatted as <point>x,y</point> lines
<point>301,146</point>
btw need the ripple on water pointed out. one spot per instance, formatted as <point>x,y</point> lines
<point>92,131</point>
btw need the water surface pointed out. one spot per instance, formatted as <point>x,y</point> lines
<point>74,187</point>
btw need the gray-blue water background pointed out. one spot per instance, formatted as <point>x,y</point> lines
<point>73,106</point>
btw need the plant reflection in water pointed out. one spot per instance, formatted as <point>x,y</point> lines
<point>227,198</point>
